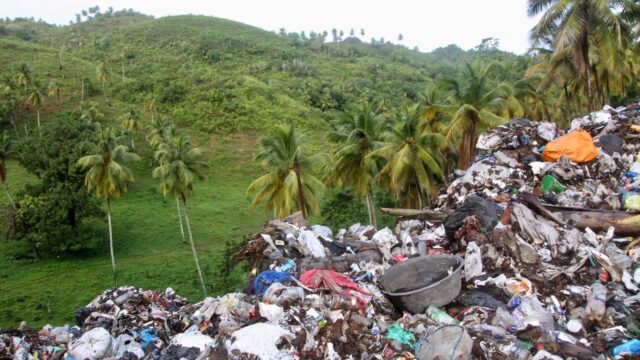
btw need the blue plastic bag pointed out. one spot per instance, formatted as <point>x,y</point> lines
<point>267,278</point>
<point>631,347</point>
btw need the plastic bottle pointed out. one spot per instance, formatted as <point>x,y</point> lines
<point>631,347</point>
<point>513,351</point>
<point>596,307</point>
<point>633,325</point>
<point>505,320</point>
<point>440,316</point>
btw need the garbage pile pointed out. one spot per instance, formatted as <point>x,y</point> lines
<point>531,253</point>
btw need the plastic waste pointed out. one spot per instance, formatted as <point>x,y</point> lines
<point>472,261</point>
<point>268,277</point>
<point>550,184</point>
<point>192,337</point>
<point>320,230</point>
<point>547,130</point>
<point>630,200</point>
<point>596,307</point>
<point>395,332</point>
<point>280,294</point>
<point>262,341</point>
<point>513,351</point>
<point>440,316</point>
<point>447,342</point>
<point>95,344</point>
<point>631,347</point>
<point>309,239</point>
<point>146,337</point>
<point>505,320</point>
<point>576,145</point>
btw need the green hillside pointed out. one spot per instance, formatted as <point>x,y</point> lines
<point>217,75</point>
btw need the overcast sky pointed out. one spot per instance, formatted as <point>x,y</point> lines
<point>427,24</point>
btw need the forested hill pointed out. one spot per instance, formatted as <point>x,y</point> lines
<point>217,75</point>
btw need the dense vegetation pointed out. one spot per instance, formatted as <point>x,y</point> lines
<point>348,125</point>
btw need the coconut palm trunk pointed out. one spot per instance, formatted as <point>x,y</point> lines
<point>104,91</point>
<point>193,246</point>
<point>113,258</point>
<point>6,190</point>
<point>184,241</point>
<point>38,118</point>
<point>301,201</point>
<point>372,210</point>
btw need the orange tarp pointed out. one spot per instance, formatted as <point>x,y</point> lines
<point>577,145</point>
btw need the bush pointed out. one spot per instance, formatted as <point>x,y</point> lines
<point>343,209</point>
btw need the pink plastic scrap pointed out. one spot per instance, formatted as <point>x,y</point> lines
<point>338,283</point>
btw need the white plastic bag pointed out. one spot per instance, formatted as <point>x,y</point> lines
<point>309,239</point>
<point>324,231</point>
<point>472,261</point>
<point>260,340</point>
<point>193,338</point>
<point>95,344</point>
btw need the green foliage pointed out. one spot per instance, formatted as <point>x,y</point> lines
<point>290,184</point>
<point>57,215</point>
<point>343,209</point>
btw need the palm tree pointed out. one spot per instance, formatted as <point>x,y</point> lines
<point>89,112</point>
<point>35,98</point>
<point>150,106</point>
<point>357,135</point>
<point>579,25</point>
<point>54,90</point>
<point>132,122</point>
<point>6,153</point>
<point>108,176</point>
<point>160,129</point>
<point>475,104</point>
<point>24,76</point>
<point>104,74</point>
<point>289,185</point>
<point>9,105</point>
<point>412,166</point>
<point>123,55</point>
<point>179,164</point>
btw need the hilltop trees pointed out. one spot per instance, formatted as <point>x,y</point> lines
<point>107,175</point>
<point>180,163</point>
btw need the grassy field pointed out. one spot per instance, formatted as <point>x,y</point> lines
<point>148,249</point>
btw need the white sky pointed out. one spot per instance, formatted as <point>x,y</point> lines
<point>427,24</point>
